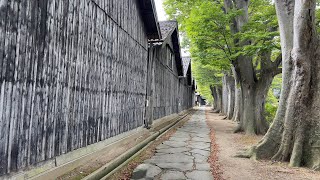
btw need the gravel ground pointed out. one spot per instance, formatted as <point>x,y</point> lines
<point>226,145</point>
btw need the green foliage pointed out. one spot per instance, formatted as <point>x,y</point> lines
<point>179,10</point>
<point>210,37</point>
<point>271,106</point>
<point>318,19</point>
<point>261,29</point>
<point>206,76</point>
<point>198,24</point>
<point>207,31</point>
<point>272,102</point>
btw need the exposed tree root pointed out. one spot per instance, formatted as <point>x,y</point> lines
<point>316,168</point>
<point>238,129</point>
<point>244,154</point>
<point>216,110</point>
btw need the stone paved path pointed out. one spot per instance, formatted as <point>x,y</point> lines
<point>183,156</point>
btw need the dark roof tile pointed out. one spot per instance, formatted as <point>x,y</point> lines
<point>167,27</point>
<point>186,63</point>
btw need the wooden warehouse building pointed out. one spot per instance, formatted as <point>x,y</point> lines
<point>170,89</point>
<point>77,72</point>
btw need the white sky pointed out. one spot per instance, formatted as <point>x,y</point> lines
<point>162,16</point>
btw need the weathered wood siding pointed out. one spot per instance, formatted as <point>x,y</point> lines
<point>72,73</point>
<point>171,93</point>
<point>186,94</point>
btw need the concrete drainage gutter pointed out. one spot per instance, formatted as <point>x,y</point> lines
<point>107,170</point>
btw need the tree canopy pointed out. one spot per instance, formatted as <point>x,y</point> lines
<point>207,28</point>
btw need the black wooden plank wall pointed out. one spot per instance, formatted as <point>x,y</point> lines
<point>171,94</point>
<point>165,102</point>
<point>186,94</point>
<point>69,72</point>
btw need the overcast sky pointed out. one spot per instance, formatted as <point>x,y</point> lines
<point>162,16</point>
<point>160,11</point>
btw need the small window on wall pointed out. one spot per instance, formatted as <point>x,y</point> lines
<point>170,57</point>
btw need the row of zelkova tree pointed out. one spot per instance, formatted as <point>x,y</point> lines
<point>238,47</point>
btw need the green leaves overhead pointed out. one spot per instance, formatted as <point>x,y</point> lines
<point>208,32</point>
<point>262,29</point>
<point>207,26</point>
<point>206,75</point>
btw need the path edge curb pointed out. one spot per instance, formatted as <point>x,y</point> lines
<point>109,169</point>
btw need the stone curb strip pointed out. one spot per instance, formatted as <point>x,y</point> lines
<point>107,170</point>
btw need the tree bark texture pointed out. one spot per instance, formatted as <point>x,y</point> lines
<point>237,94</point>
<point>225,95</point>
<point>253,90</point>
<point>231,96</point>
<point>228,95</point>
<point>253,95</point>
<point>217,95</point>
<point>215,99</point>
<point>294,135</point>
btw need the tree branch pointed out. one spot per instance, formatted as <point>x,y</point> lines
<point>278,60</point>
<point>224,36</point>
<point>277,71</point>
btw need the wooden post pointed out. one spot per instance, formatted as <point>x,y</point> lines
<point>150,87</point>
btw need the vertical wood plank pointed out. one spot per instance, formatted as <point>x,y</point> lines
<point>73,73</point>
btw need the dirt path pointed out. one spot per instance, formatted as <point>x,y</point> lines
<point>228,144</point>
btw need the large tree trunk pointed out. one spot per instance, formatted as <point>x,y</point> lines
<point>231,96</point>
<point>215,98</point>
<point>225,95</point>
<point>245,73</point>
<point>262,88</point>
<point>253,108</point>
<point>237,94</point>
<point>244,69</point>
<point>267,72</point>
<point>253,90</point>
<point>295,133</point>
<point>269,145</point>
<point>219,98</point>
<point>253,96</point>
<point>214,104</point>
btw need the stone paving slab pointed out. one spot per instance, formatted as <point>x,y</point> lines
<point>146,171</point>
<point>175,144</point>
<point>177,157</point>
<point>203,167</point>
<point>199,175</point>
<point>201,152</point>
<point>177,166</point>
<point>183,156</point>
<point>173,150</point>
<point>172,175</point>
<point>203,139</point>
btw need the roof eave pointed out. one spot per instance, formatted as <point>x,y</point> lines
<point>150,18</point>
